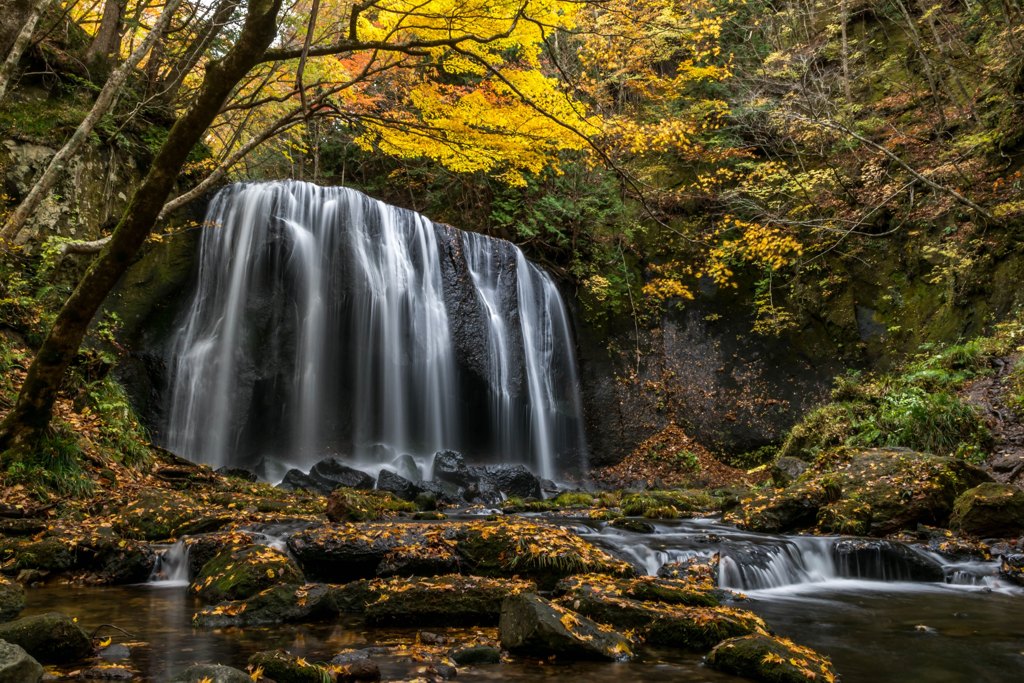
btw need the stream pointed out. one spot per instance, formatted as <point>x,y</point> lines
<point>864,603</point>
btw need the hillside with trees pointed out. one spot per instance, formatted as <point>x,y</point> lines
<point>554,326</point>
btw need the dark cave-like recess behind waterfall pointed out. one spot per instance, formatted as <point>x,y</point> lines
<point>323,322</point>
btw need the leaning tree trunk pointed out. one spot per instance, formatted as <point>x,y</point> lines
<point>21,42</point>
<point>105,101</point>
<point>102,53</point>
<point>32,412</point>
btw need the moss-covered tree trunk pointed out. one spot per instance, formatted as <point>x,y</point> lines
<point>32,412</point>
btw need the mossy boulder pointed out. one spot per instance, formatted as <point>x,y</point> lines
<point>771,659</point>
<point>633,524</point>
<point>52,638</point>
<point>281,667</point>
<point>211,673</point>
<point>50,554</point>
<point>669,504</point>
<point>12,599</point>
<point>203,548</point>
<point>542,553</point>
<point>672,591</point>
<point>476,654</point>
<point>346,552</point>
<point>160,514</point>
<point>699,628</point>
<point>353,505</point>
<point>441,601</point>
<point>675,624</point>
<point>111,560</point>
<point>18,666</point>
<point>238,573</point>
<point>1011,568</point>
<point>989,511</point>
<point>698,570</point>
<point>276,605</point>
<point>534,627</point>
<point>874,492</point>
<point>787,469</point>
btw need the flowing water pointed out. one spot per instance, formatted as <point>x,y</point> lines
<point>856,600</point>
<point>848,598</point>
<point>324,322</point>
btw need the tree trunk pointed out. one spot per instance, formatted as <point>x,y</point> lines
<point>21,42</point>
<point>844,20</point>
<point>103,104</point>
<point>173,80</point>
<point>32,412</point>
<point>103,51</point>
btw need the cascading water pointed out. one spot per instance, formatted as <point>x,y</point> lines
<point>754,562</point>
<point>325,322</point>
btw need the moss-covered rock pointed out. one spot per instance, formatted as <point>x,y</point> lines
<point>236,574</point>
<point>1011,568</point>
<point>476,654</point>
<point>669,504</point>
<point>50,554</point>
<point>534,627</point>
<point>441,601</point>
<point>787,469</point>
<point>211,673</point>
<point>282,667</point>
<point>633,524</point>
<point>876,492</point>
<point>201,549</point>
<point>111,560</point>
<point>662,613</point>
<point>698,571</point>
<point>347,552</point>
<point>52,638</point>
<point>18,666</point>
<point>774,660</point>
<point>695,592</point>
<point>699,628</point>
<point>12,599</point>
<point>355,505</point>
<point>276,605</point>
<point>989,510</point>
<point>160,514</point>
<point>542,553</point>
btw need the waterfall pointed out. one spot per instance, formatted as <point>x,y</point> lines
<point>324,322</point>
<point>171,568</point>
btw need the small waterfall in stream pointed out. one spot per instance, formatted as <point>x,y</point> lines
<point>324,322</point>
<point>171,568</point>
<point>749,561</point>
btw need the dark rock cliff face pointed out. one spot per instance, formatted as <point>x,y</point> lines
<point>703,369</point>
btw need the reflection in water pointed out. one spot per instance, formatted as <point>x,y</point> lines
<point>161,619</point>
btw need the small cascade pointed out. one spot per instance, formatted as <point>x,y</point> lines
<point>171,568</point>
<point>753,567</point>
<point>326,323</point>
<point>753,562</point>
